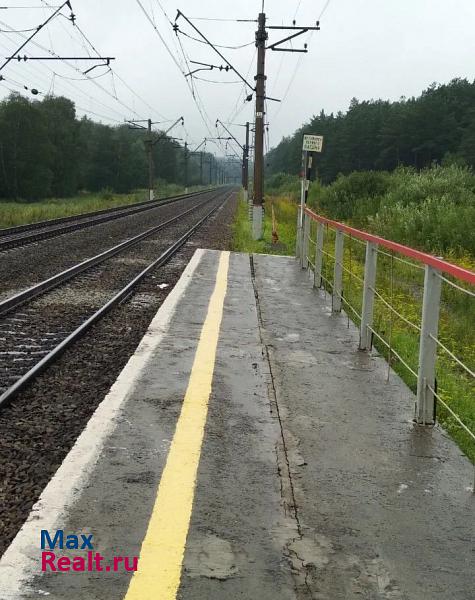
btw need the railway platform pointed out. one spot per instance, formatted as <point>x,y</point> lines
<point>249,450</point>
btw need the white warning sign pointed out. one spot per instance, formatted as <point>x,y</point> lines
<point>312,143</point>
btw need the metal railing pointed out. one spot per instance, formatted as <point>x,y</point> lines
<point>345,260</point>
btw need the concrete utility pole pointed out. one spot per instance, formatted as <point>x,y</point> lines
<point>245,155</point>
<point>261,39</point>
<point>259,89</point>
<point>149,143</point>
<point>258,198</point>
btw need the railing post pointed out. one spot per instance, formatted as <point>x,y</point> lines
<point>338,272</point>
<point>369,285</point>
<point>317,276</point>
<point>299,230</point>
<point>428,347</point>
<point>305,241</point>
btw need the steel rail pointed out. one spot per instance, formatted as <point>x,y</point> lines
<point>26,234</point>
<point>56,280</point>
<point>85,215</point>
<point>40,366</point>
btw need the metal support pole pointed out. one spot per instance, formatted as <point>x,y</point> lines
<point>298,244</point>
<point>303,187</point>
<point>317,278</point>
<point>338,272</point>
<point>201,168</point>
<point>425,402</point>
<point>369,286</point>
<point>305,241</point>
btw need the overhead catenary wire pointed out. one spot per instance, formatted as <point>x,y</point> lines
<point>193,89</point>
<point>37,30</point>
<point>299,62</point>
<point>175,60</point>
<point>242,95</point>
<point>23,7</point>
<point>157,31</point>
<point>87,96</point>
<point>19,30</point>
<point>67,62</point>
<point>194,92</point>
<point>112,70</point>
<point>36,76</point>
<point>218,20</point>
<point>284,54</point>
<point>217,45</point>
<point>214,81</point>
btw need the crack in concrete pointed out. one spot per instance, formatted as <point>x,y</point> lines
<point>289,553</point>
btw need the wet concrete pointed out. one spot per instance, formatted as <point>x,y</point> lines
<point>239,528</point>
<point>384,507</point>
<point>313,482</point>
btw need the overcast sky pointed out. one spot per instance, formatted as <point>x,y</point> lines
<point>365,49</point>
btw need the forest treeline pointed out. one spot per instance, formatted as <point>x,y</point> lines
<point>435,128</point>
<point>46,151</point>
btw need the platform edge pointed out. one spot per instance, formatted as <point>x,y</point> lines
<point>17,566</point>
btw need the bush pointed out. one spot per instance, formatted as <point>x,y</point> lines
<point>433,209</point>
<point>106,194</point>
<point>436,224</point>
<point>355,196</point>
<point>283,184</point>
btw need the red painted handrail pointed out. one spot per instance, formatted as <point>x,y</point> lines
<point>427,259</point>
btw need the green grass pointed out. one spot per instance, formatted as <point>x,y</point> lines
<point>20,213</point>
<point>457,315</point>
<point>286,217</point>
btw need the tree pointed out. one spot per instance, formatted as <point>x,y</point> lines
<point>383,135</point>
<point>26,153</point>
<point>62,129</point>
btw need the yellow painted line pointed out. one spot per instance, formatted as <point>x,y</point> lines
<point>161,557</point>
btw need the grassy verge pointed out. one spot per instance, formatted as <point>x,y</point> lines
<point>20,213</point>
<point>286,217</point>
<point>400,284</point>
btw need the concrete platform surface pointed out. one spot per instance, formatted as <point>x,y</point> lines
<point>248,450</point>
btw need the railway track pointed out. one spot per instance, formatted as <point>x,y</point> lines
<point>15,237</point>
<point>38,324</point>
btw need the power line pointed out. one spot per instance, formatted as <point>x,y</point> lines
<point>150,20</point>
<point>217,45</point>
<point>19,30</point>
<point>297,9</point>
<point>194,92</point>
<point>98,85</point>
<point>23,7</point>
<point>175,27</point>
<point>37,30</point>
<point>88,97</point>
<point>223,20</point>
<point>213,81</point>
<point>237,110</point>
<point>327,4</point>
<point>112,71</point>
<point>299,62</point>
<point>121,78</point>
